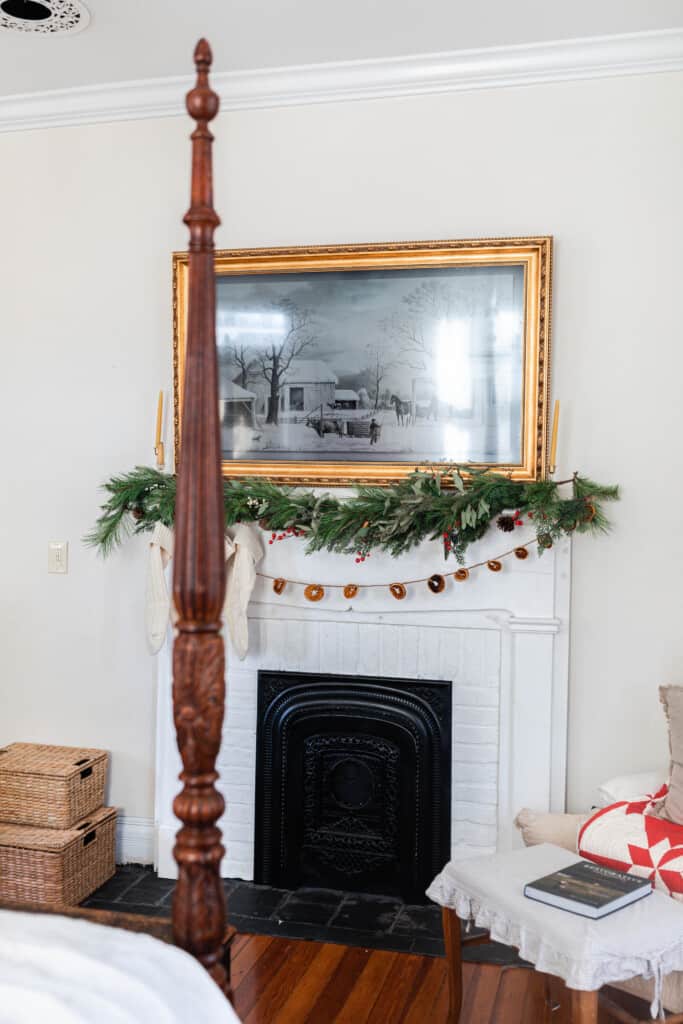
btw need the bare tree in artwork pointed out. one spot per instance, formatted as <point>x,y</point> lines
<point>377,371</point>
<point>415,328</point>
<point>430,308</point>
<point>243,358</point>
<point>274,361</point>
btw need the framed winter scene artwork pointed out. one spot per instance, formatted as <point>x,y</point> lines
<point>355,364</point>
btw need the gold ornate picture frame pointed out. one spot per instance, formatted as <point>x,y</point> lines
<point>356,364</point>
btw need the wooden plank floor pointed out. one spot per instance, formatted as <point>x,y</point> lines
<point>287,981</point>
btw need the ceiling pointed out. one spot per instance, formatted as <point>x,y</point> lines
<point>137,39</point>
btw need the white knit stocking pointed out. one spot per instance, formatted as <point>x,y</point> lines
<point>246,553</point>
<point>157,598</point>
<point>243,551</point>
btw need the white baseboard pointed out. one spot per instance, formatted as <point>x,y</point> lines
<point>134,840</point>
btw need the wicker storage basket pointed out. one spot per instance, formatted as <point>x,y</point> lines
<point>50,787</point>
<point>48,865</point>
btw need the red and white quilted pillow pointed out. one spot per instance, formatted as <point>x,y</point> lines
<point>628,837</point>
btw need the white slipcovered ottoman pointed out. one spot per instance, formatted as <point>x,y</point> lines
<point>644,939</point>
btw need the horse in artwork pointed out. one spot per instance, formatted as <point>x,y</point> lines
<point>402,410</point>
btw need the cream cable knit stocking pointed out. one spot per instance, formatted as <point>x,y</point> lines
<point>243,551</point>
<point>247,552</point>
<point>157,598</point>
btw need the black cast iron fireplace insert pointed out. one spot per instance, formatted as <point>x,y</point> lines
<point>353,783</point>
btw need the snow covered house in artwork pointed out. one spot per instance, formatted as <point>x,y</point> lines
<point>236,405</point>
<point>306,385</point>
<point>345,398</point>
<point>309,383</point>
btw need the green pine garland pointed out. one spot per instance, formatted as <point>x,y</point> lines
<point>452,503</point>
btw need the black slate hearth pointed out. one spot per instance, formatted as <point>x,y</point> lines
<point>353,783</point>
<point>324,915</point>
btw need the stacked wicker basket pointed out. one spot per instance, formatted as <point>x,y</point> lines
<point>57,841</point>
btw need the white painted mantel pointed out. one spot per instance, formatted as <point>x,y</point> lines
<point>501,638</point>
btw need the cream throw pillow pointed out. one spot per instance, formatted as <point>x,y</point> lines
<point>543,827</point>
<point>671,807</point>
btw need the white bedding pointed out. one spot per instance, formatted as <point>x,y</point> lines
<point>61,970</point>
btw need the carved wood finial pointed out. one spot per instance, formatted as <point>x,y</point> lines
<point>199,576</point>
<point>202,54</point>
<point>202,105</point>
<point>202,102</point>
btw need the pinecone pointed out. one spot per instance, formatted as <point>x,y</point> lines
<point>590,512</point>
<point>505,523</point>
<point>137,512</point>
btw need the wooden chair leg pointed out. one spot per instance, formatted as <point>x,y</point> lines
<point>555,996</point>
<point>452,942</point>
<point>584,1007</point>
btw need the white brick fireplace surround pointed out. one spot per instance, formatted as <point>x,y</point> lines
<point>500,638</point>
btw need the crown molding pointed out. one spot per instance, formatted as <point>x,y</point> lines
<point>492,68</point>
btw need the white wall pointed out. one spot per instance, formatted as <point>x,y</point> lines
<point>89,218</point>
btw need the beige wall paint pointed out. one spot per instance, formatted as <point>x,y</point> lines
<point>89,218</point>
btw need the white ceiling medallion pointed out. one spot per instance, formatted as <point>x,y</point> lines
<point>46,17</point>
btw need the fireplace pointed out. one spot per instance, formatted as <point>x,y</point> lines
<point>353,790</point>
<point>498,644</point>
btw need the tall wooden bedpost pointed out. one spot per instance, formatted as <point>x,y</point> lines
<point>199,924</point>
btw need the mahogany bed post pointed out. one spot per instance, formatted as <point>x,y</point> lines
<point>199,923</point>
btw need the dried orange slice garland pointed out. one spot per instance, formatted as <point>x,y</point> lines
<point>436,583</point>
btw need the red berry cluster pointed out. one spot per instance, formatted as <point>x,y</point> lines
<point>291,531</point>
<point>517,519</point>
<point>361,556</point>
<point>449,536</point>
